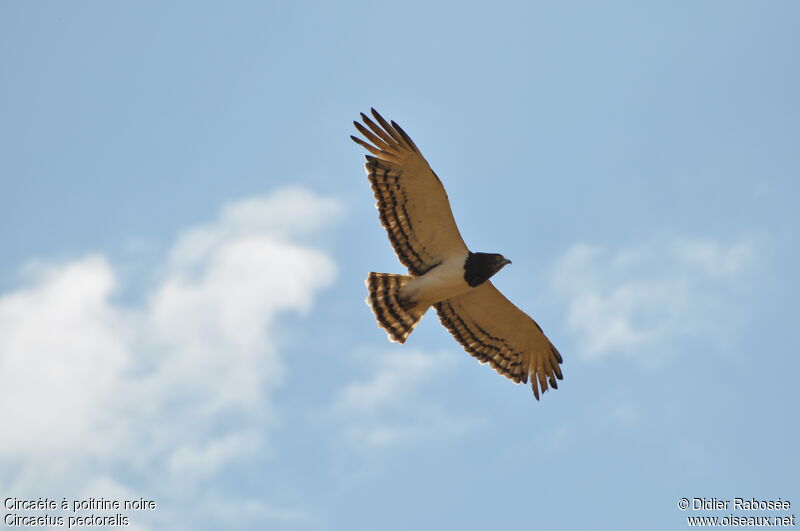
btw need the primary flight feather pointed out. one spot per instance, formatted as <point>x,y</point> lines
<point>443,272</point>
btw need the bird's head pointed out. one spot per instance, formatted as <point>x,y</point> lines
<point>499,261</point>
<point>480,267</point>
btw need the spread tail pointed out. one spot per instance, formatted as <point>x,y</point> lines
<point>396,317</point>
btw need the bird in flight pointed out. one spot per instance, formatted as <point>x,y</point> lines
<point>443,273</point>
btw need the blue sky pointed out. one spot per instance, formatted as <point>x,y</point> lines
<point>186,229</point>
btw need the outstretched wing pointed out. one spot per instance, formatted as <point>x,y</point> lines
<point>495,331</point>
<point>412,203</point>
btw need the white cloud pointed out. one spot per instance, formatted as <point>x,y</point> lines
<point>170,390</point>
<point>209,456</point>
<point>62,347</point>
<point>258,514</point>
<point>633,301</point>
<point>286,215</point>
<point>715,259</point>
<point>390,406</point>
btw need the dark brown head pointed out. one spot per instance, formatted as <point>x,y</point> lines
<point>480,267</point>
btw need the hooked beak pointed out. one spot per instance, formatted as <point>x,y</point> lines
<point>506,261</point>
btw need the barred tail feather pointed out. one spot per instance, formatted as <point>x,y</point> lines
<point>396,317</point>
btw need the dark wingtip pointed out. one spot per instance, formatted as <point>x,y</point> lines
<point>556,353</point>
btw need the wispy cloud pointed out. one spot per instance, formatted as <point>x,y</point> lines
<point>634,300</point>
<point>170,390</point>
<point>390,407</point>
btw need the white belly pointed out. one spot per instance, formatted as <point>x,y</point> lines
<point>442,282</point>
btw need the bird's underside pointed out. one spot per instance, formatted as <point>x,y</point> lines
<point>443,273</point>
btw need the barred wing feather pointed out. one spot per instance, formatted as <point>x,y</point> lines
<point>493,330</point>
<point>412,203</point>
